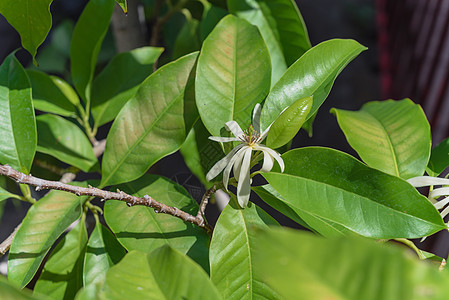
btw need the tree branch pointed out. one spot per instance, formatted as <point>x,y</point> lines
<point>130,200</point>
<point>6,244</point>
<point>205,201</point>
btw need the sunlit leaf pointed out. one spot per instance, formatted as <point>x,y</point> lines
<point>313,74</point>
<point>233,74</point>
<point>391,136</point>
<point>336,187</point>
<point>62,275</point>
<point>291,262</point>
<point>150,126</point>
<point>11,292</point>
<point>44,223</point>
<point>123,5</point>
<point>231,253</point>
<point>17,121</point>
<point>439,158</point>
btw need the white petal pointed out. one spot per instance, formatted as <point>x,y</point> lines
<point>439,192</point>
<point>440,204</point>
<point>244,185</point>
<point>256,117</point>
<point>273,153</point>
<point>224,139</point>
<point>268,162</point>
<point>421,181</point>
<point>221,164</point>
<point>237,156</point>
<point>445,212</point>
<point>236,167</point>
<point>234,127</point>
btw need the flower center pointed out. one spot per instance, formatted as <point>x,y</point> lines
<point>251,136</point>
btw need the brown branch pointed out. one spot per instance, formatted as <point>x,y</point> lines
<point>6,244</point>
<point>205,201</point>
<point>130,200</point>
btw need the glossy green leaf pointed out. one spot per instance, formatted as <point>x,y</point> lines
<point>4,194</point>
<point>187,40</point>
<point>17,121</point>
<point>289,123</point>
<point>233,74</point>
<point>439,158</point>
<point>31,18</point>
<point>103,251</point>
<point>305,219</point>
<point>87,38</point>
<point>11,292</point>
<point>200,153</point>
<point>132,278</point>
<point>62,275</point>
<point>65,141</point>
<point>90,292</point>
<point>281,26</point>
<point>231,253</point>
<point>178,277</point>
<point>51,94</point>
<point>391,136</point>
<point>292,263</point>
<point>212,15</point>
<point>44,223</point>
<point>313,74</point>
<point>140,228</point>
<point>119,80</point>
<point>150,126</point>
<point>123,5</point>
<point>338,188</point>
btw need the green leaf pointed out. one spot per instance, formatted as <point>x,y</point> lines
<point>150,126</point>
<point>123,5</point>
<point>87,37</point>
<point>31,18</point>
<point>17,122</point>
<point>90,292</point>
<point>391,136</point>
<point>178,276</point>
<point>233,74</point>
<point>291,262</point>
<point>200,153</point>
<point>140,228</point>
<point>65,141</point>
<point>439,158</point>
<point>11,292</point>
<point>44,223</point>
<point>103,251</point>
<point>61,277</point>
<point>231,253</point>
<point>338,188</point>
<point>4,194</point>
<point>281,26</point>
<point>289,123</point>
<point>313,74</point>
<point>187,40</point>
<point>119,80</point>
<point>49,95</point>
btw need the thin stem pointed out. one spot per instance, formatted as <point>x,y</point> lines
<point>205,201</point>
<point>102,194</point>
<point>27,193</point>
<point>411,245</point>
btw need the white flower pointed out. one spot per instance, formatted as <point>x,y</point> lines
<point>239,158</point>
<point>435,193</point>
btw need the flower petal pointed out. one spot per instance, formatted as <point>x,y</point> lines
<point>244,185</point>
<point>224,139</point>
<point>238,156</point>
<point>256,117</point>
<point>421,181</point>
<point>439,192</point>
<point>222,163</point>
<point>268,162</point>
<point>237,166</point>
<point>273,153</point>
<point>445,212</point>
<point>442,203</point>
<point>234,127</point>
